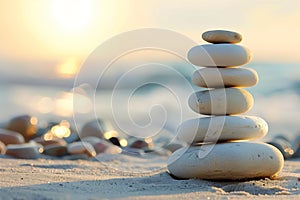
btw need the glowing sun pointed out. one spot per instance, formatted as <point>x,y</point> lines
<point>72,15</point>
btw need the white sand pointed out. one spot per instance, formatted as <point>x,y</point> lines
<point>129,177</point>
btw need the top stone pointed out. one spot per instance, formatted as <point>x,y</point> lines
<point>221,36</point>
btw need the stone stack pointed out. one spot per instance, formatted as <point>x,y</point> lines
<point>222,145</point>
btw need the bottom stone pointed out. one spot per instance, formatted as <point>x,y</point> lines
<point>233,160</point>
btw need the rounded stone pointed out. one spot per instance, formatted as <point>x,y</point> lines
<point>92,128</point>
<point>141,144</point>
<point>2,148</point>
<point>234,160</point>
<point>113,149</point>
<point>221,36</point>
<point>99,145</point>
<point>30,150</point>
<point>55,150</point>
<point>225,77</point>
<point>227,101</point>
<point>45,142</point>
<point>81,148</point>
<point>219,55</point>
<point>11,137</point>
<point>25,124</point>
<point>222,128</point>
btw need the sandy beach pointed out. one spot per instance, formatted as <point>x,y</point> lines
<point>129,177</point>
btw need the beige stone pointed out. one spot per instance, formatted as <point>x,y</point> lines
<point>219,55</point>
<point>222,128</point>
<point>225,77</point>
<point>233,160</point>
<point>227,101</point>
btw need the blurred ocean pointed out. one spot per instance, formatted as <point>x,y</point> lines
<point>147,108</point>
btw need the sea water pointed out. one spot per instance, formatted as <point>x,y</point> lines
<point>156,108</point>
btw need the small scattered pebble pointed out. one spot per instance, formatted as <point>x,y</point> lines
<point>25,125</point>
<point>81,148</point>
<point>26,151</point>
<point>92,128</point>
<point>56,150</point>
<point>99,145</point>
<point>2,148</point>
<point>46,142</point>
<point>141,144</point>
<point>11,137</point>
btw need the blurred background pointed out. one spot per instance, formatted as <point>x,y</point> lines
<point>44,43</point>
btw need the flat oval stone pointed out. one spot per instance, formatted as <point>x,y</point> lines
<point>25,124</point>
<point>219,55</point>
<point>11,137</point>
<point>81,148</point>
<point>227,101</point>
<point>113,149</point>
<point>221,36</point>
<point>25,151</point>
<point>225,77</point>
<point>57,150</point>
<point>2,148</point>
<point>99,145</point>
<point>92,128</point>
<point>222,128</point>
<point>233,160</point>
<point>141,144</point>
<point>44,142</point>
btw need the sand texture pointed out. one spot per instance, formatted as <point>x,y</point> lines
<point>124,176</point>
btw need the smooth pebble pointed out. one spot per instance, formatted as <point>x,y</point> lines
<point>99,145</point>
<point>221,36</point>
<point>81,148</point>
<point>11,137</point>
<point>2,148</point>
<point>222,128</point>
<point>30,150</point>
<point>234,160</point>
<point>25,124</point>
<point>227,101</point>
<point>219,55</point>
<point>56,150</point>
<point>46,142</point>
<point>225,77</point>
<point>92,128</point>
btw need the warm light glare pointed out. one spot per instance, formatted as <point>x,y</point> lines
<point>60,131</point>
<point>64,104</point>
<point>68,68</point>
<point>123,142</point>
<point>72,15</point>
<point>44,105</point>
<point>41,149</point>
<point>148,140</point>
<point>48,136</point>
<point>110,134</point>
<point>33,120</point>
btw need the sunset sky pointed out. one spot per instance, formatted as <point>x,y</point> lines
<point>52,37</point>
